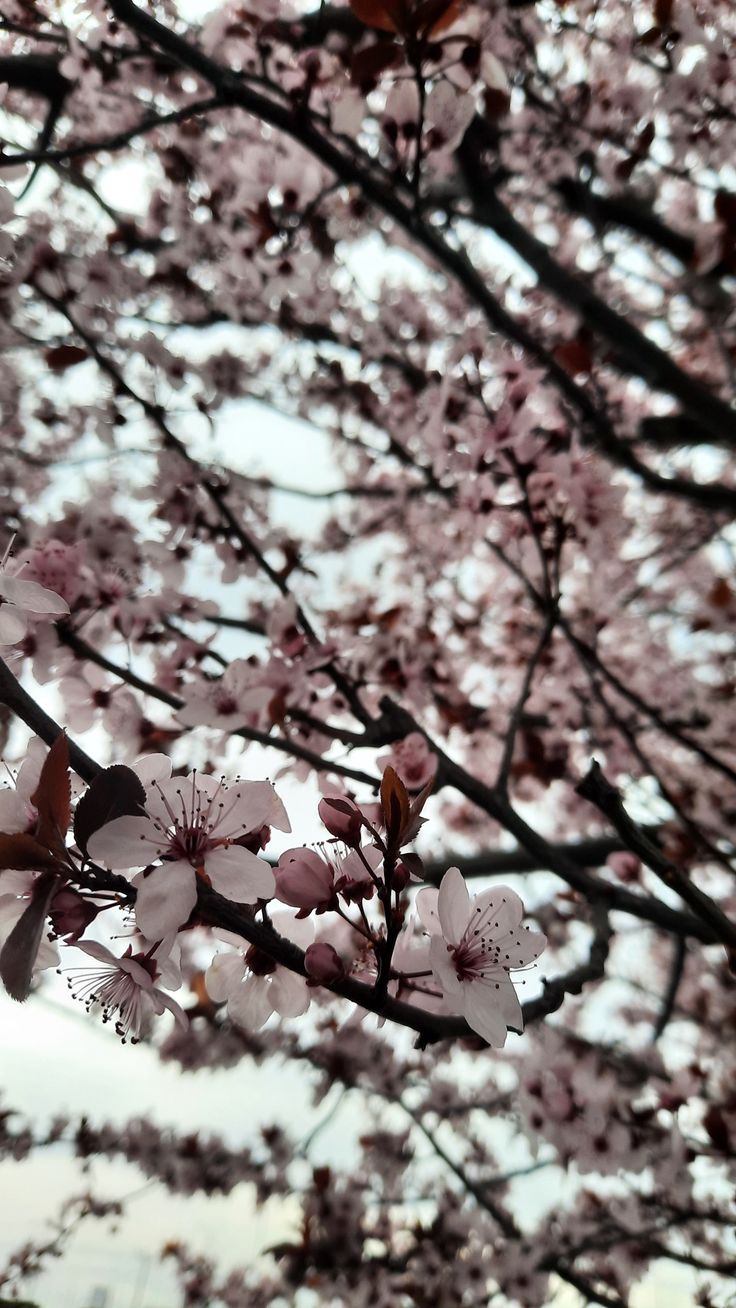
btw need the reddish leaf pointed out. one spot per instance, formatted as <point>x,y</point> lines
<point>116,792</point>
<point>432,16</point>
<point>18,954</point>
<point>663,12</point>
<point>23,852</point>
<point>395,805</point>
<point>62,357</point>
<point>367,64</point>
<point>717,1128</point>
<point>725,208</point>
<point>53,797</point>
<point>373,14</point>
<point>407,16</point>
<point>574,356</point>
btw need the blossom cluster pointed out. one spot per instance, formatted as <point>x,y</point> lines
<point>176,838</point>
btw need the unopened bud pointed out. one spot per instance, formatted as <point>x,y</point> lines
<point>342,818</point>
<point>322,963</point>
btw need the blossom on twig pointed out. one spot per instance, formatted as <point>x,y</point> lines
<point>196,824</point>
<point>475,943</point>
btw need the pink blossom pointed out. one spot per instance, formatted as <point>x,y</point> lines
<point>412,759</point>
<point>475,942</point>
<point>322,963</point>
<point>253,985</point>
<point>283,630</point>
<point>22,602</point>
<point>196,824</point>
<point>305,881</point>
<point>125,986</point>
<point>228,702</point>
<point>17,813</point>
<point>342,818</point>
<point>625,864</point>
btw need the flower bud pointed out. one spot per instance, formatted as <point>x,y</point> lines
<point>304,880</point>
<point>342,818</point>
<point>323,964</point>
<point>625,864</point>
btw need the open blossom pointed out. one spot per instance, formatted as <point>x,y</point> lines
<point>123,986</point>
<point>229,701</point>
<point>412,759</point>
<point>21,601</point>
<point>475,942</point>
<point>311,882</point>
<point>253,985</point>
<point>196,825</point>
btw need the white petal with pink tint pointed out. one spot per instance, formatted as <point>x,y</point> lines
<point>165,898</point>
<point>474,945</point>
<point>240,875</point>
<point>224,974</point>
<point>453,905</point>
<point>127,842</point>
<point>33,598</point>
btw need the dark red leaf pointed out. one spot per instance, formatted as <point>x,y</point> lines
<point>395,805</point>
<point>116,792</point>
<point>62,357</point>
<point>23,852</point>
<point>18,954</point>
<point>367,64</point>
<point>717,1128</point>
<point>53,797</point>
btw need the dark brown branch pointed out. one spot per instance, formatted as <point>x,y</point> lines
<point>14,697</point>
<point>356,169</point>
<point>634,351</point>
<point>552,857</point>
<point>597,788</point>
<point>281,743</point>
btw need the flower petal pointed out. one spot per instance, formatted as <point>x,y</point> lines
<point>12,625</point>
<point>482,1015</point>
<point>237,874</point>
<point>250,1006</point>
<point>167,1002</point>
<point>288,993</point>
<point>425,905</point>
<point>165,899</point>
<point>223,976</point>
<point>250,805</point>
<point>521,948</point>
<point>444,971</point>
<point>33,598</point>
<point>127,842</point>
<point>501,908</point>
<point>453,905</point>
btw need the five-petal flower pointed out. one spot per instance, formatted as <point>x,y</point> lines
<point>195,825</point>
<point>475,943</point>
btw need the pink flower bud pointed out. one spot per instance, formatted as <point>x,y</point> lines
<point>625,864</point>
<point>322,963</point>
<point>413,759</point>
<point>304,880</point>
<point>342,818</point>
<point>409,868</point>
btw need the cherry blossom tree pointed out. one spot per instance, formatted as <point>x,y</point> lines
<point>484,253</point>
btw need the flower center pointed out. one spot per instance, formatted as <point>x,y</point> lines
<point>190,843</point>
